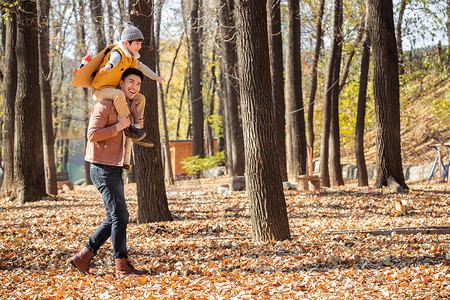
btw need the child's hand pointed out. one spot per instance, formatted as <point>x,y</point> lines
<point>107,67</point>
<point>160,79</point>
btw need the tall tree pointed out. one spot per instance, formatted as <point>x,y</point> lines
<point>277,78</point>
<point>29,175</point>
<point>387,94</point>
<point>151,191</point>
<point>296,137</point>
<point>9,70</point>
<point>46,97</point>
<point>212,93</point>
<point>264,187</point>
<point>165,130</point>
<point>361,110</point>
<point>335,142</point>
<point>448,22</point>
<point>312,94</point>
<point>97,23</point>
<point>196,83</point>
<point>233,122</point>
<point>331,95</point>
<point>80,16</point>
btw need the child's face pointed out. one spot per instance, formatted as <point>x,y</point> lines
<point>130,86</point>
<point>134,47</point>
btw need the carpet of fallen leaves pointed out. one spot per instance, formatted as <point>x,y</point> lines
<point>207,252</point>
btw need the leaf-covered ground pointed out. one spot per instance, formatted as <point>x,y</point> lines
<point>207,252</point>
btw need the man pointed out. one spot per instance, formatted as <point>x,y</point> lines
<point>105,152</point>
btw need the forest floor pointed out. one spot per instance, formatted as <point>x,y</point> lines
<point>207,251</point>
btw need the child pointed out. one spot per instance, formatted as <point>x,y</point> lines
<point>104,86</point>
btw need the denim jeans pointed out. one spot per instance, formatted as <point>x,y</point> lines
<point>108,181</point>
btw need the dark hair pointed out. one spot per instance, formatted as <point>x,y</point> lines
<point>138,40</point>
<point>132,71</point>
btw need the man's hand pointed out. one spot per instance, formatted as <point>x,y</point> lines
<point>123,122</point>
<point>160,79</point>
<point>107,67</point>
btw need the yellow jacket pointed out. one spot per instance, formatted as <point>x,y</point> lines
<point>112,78</point>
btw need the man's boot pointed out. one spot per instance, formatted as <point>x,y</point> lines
<point>81,260</point>
<point>134,133</point>
<point>123,267</point>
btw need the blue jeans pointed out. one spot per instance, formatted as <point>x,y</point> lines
<point>108,181</point>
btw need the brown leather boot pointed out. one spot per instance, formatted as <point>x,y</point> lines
<point>81,260</point>
<point>123,267</point>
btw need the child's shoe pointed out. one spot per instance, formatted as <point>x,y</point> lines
<point>144,143</point>
<point>134,133</point>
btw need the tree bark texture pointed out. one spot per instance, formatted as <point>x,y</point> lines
<point>196,83</point>
<point>386,93</point>
<point>151,191</point>
<point>296,136</point>
<point>162,104</point>
<point>264,186</point>
<point>331,95</point>
<point>277,78</point>
<point>29,174</point>
<point>46,98</point>
<point>97,24</point>
<point>212,91</point>
<point>9,94</point>
<point>312,95</point>
<point>234,137</point>
<point>363,179</point>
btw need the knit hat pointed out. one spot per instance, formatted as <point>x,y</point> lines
<point>131,33</point>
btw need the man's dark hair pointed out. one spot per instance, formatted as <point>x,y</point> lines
<point>132,71</point>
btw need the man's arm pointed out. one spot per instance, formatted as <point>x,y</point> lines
<point>98,129</point>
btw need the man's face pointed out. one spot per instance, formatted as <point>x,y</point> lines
<point>130,86</point>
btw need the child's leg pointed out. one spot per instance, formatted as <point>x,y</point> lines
<point>139,102</point>
<point>120,102</point>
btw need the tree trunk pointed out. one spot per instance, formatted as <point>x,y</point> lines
<point>209,131</point>
<point>97,24</point>
<point>386,93</point>
<point>331,95</point>
<point>264,186</point>
<point>296,138</point>
<point>196,83</point>
<point>110,22</point>
<point>81,49</point>
<point>9,93</point>
<point>335,143</point>
<point>46,98</point>
<point>166,141</point>
<point>448,22</point>
<point>29,174</point>
<point>151,191</point>
<point>398,30</point>
<point>361,112</point>
<point>277,78</point>
<point>312,95</point>
<point>233,116</point>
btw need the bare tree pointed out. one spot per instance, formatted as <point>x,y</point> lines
<point>29,175</point>
<point>97,23</point>
<point>9,70</point>
<point>151,191</point>
<point>387,96</point>
<point>264,186</point>
<point>296,137</point>
<point>361,112</point>
<point>277,75</point>
<point>233,122</point>
<point>46,97</point>
<point>312,94</point>
<point>196,83</point>
<point>398,31</point>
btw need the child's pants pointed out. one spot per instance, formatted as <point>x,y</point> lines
<point>122,109</point>
<point>120,102</point>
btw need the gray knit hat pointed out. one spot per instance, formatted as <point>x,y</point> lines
<point>131,33</point>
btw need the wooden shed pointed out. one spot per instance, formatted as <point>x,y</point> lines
<point>179,150</point>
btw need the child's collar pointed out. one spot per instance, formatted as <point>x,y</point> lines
<point>126,52</point>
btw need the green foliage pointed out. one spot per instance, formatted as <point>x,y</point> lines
<point>195,164</point>
<point>216,123</point>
